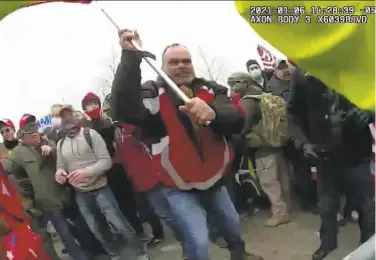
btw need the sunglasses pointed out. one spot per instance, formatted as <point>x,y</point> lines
<point>30,129</point>
<point>234,82</point>
<point>5,131</point>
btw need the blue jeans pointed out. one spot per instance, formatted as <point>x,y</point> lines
<point>61,226</point>
<point>162,208</point>
<point>99,209</point>
<point>188,211</point>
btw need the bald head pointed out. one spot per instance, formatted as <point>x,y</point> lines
<point>177,64</point>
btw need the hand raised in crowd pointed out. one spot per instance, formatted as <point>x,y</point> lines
<point>126,37</point>
<point>46,150</point>
<point>77,176</point>
<point>198,110</point>
<point>310,151</point>
<point>87,117</point>
<point>61,177</point>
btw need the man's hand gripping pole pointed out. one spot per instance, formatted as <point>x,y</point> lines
<point>149,58</point>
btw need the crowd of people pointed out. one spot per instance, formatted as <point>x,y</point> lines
<point>144,155</point>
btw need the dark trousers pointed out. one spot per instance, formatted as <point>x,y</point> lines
<point>125,196</point>
<point>357,181</point>
<point>305,187</point>
<point>75,226</point>
<point>61,226</point>
<point>38,226</point>
<point>148,214</point>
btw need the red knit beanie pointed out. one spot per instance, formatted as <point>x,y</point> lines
<point>90,97</point>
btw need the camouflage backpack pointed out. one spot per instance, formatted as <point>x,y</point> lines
<point>271,130</point>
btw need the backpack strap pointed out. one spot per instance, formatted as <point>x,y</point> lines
<point>251,96</point>
<point>88,138</point>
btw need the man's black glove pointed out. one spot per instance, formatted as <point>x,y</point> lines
<point>359,117</point>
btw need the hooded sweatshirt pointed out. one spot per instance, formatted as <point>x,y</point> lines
<point>76,154</point>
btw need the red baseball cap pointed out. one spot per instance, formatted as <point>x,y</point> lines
<point>7,122</point>
<point>26,119</point>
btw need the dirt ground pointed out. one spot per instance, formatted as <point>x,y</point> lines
<point>294,241</point>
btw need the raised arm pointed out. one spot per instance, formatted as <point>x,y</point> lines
<point>126,93</point>
<point>296,110</point>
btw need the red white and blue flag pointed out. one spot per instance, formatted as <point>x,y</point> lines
<point>22,243</point>
<point>267,58</point>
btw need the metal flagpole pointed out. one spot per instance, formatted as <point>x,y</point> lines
<point>150,61</point>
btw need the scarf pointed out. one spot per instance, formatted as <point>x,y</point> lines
<point>11,144</point>
<point>71,127</point>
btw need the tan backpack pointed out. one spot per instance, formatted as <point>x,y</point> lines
<point>272,129</point>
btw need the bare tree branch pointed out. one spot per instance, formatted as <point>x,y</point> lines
<point>205,60</point>
<point>103,84</point>
<point>115,62</point>
<point>215,68</point>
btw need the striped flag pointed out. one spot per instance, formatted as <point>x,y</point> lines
<point>267,58</point>
<point>314,173</point>
<point>7,7</point>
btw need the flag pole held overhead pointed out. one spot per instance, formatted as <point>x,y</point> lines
<point>150,61</point>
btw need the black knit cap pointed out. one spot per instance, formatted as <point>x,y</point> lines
<point>251,62</point>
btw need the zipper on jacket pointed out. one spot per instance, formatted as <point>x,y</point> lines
<point>187,123</point>
<point>192,134</point>
<point>196,142</point>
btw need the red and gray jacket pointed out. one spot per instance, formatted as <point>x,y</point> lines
<point>181,157</point>
<point>134,154</point>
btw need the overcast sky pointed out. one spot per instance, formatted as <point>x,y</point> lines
<point>56,52</point>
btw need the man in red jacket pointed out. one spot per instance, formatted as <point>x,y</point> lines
<point>120,185</point>
<point>189,159</point>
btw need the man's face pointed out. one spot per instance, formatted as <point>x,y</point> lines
<point>255,72</point>
<point>238,85</point>
<point>32,138</point>
<point>253,67</point>
<point>7,132</point>
<point>284,71</point>
<point>55,112</point>
<point>92,105</point>
<point>177,64</point>
<point>66,113</point>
